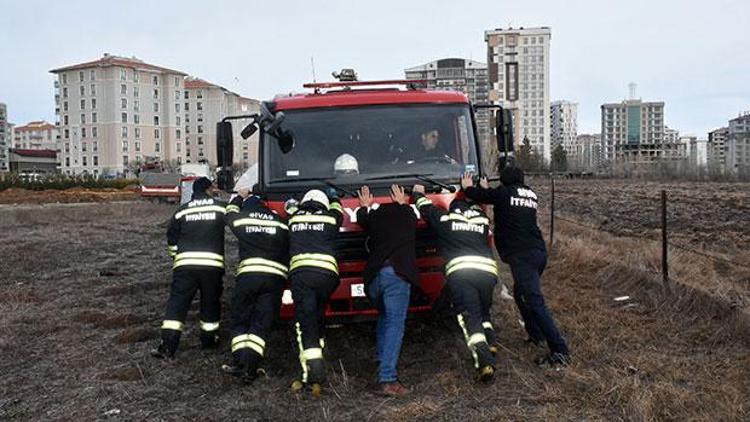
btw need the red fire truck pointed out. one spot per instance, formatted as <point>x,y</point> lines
<point>389,132</point>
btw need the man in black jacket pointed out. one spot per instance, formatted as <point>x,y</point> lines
<point>264,254</point>
<point>314,275</point>
<point>195,240</point>
<point>520,244</point>
<point>470,271</point>
<point>390,271</point>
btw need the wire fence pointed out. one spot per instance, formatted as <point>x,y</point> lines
<point>659,220</point>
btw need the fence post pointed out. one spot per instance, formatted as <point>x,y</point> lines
<point>664,249</point>
<point>552,212</point>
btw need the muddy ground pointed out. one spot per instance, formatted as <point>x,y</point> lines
<point>84,286</point>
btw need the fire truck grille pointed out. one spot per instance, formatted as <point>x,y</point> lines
<point>350,246</point>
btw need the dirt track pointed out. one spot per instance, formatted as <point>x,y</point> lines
<point>83,290</point>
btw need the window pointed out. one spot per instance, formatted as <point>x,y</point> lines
<point>178,121</point>
<point>137,133</point>
<point>137,146</point>
<point>199,94</point>
<point>80,76</point>
<point>177,95</point>
<point>124,131</point>
<point>124,160</point>
<point>136,105</point>
<point>124,146</point>
<point>187,153</point>
<point>136,76</point>
<point>67,133</point>
<point>94,133</point>
<point>123,75</point>
<point>65,119</point>
<point>92,75</point>
<point>187,106</point>
<point>200,152</point>
<point>157,133</point>
<point>65,106</point>
<point>67,162</point>
<point>123,103</point>
<point>124,117</point>
<point>64,79</point>
<point>177,82</point>
<point>200,117</point>
<point>95,159</point>
<point>157,147</point>
<point>93,89</point>
<point>187,95</point>
<point>177,107</point>
<point>200,140</point>
<point>93,103</point>
<point>84,160</point>
<point>137,119</point>
<point>156,93</point>
<point>178,133</point>
<point>83,91</point>
<point>83,132</point>
<point>67,148</point>
<point>93,117</point>
<point>156,80</point>
<point>83,104</point>
<point>135,91</point>
<point>156,107</point>
<point>156,120</point>
<point>200,128</point>
<point>123,89</point>
<point>199,106</point>
<point>179,147</point>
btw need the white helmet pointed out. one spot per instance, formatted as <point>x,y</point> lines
<point>316,195</point>
<point>346,164</point>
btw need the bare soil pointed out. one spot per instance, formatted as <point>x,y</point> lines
<point>72,195</point>
<point>84,288</point>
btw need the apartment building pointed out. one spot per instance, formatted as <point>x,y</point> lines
<point>115,112</point>
<point>5,139</point>
<point>564,121</point>
<point>584,153</point>
<point>633,131</point>
<point>204,105</point>
<point>36,135</point>
<point>717,147</point>
<point>738,145</point>
<point>518,72</point>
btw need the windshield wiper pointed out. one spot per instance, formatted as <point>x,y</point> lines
<point>420,176</point>
<point>314,179</point>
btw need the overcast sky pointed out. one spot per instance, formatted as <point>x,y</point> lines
<point>691,54</point>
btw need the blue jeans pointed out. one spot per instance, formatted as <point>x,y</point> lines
<point>390,294</point>
<point>527,268</point>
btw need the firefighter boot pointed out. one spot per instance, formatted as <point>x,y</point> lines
<point>209,339</point>
<point>486,362</point>
<point>489,333</point>
<point>170,339</point>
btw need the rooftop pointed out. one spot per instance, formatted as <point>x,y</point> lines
<point>45,153</point>
<point>35,126</point>
<point>109,60</point>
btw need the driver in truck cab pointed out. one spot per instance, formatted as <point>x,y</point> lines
<point>314,275</point>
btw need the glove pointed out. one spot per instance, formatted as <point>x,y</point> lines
<point>291,205</point>
<point>332,193</point>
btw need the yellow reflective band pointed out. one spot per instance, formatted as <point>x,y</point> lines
<point>292,210</point>
<point>259,222</point>
<point>312,219</point>
<point>472,266</point>
<point>315,263</point>
<point>233,208</point>
<point>487,325</point>
<point>209,326</point>
<point>240,338</point>
<point>172,253</point>
<point>169,324</point>
<point>422,201</point>
<point>257,340</point>
<point>302,360</point>
<point>476,338</point>
<point>335,206</point>
<point>471,258</point>
<point>261,269</point>
<point>314,353</point>
<point>473,220</point>
<point>206,208</point>
<point>322,343</point>
<point>263,261</point>
<point>198,262</point>
<point>316,256</point>
<point>201,255</point>
<point>462,324</point>
<point>247,344</point>
<point>172,247</point>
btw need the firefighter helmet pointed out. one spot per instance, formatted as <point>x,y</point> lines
<point>317,196</point>
<point>346,164</point>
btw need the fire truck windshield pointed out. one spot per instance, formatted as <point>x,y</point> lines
<point>350,145</point>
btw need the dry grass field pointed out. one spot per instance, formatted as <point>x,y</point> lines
<point>84,286</point>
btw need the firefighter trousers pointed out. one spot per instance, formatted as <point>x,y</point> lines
<point>471,294</point>
<point>255,307</point>
<point>311,290</point>
<point>186,281</point>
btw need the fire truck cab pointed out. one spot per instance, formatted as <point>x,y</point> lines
<point>347,134</point>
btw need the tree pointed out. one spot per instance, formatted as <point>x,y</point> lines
<point>559,158</point>
<point>524,155</point>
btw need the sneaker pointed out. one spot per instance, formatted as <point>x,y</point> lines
<point>554,360</point>
<point>394,389</point>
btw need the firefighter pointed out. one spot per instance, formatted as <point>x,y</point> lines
<point>195,240</point>
<point>470,271</point>
<point>314,274</point>
<point>264,255</point>
<point>520,244</point>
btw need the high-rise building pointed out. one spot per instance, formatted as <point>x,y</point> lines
<point>738,145</point>
<point>633,132</point>
<point>518,71</point>
<point>467,76</point>
<point>35,135</point>
<point>584,153</point>
<point>564,119</point>
<point>717,148</point>
<point>694,150</point>
<point>5,139</point>
<point>671,135</point>
<point>205,104</point>
<point>116,112</point>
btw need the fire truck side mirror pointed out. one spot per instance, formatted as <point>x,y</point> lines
<point>504,132</point>
<point>224,144</point>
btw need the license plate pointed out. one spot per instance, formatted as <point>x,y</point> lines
<point>358,290</point>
